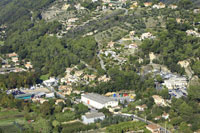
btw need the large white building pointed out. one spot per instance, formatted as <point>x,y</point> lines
<point>175,82</point>
<point>92,117</point>
<point>98,101</point>
<point>51,82</point>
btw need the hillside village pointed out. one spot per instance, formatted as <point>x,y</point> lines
<point>124,78</point>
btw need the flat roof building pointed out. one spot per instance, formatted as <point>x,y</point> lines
<point>92,117</point>
<point>175,82</point>
<point>98,101</point>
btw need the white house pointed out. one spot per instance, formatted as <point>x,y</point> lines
<point>15,59</point>
<point>106,1</point>
<point>147,35</point>
<point>165,115</point>
<point>103,79</point>
<point>173,6</point>
<point>159,5</point>
<point>92,117</point>
<point>72,20</point>
<point>98,101</point>
<point>132,46</point>
<point>94,1</point>
<point>28,65</point>
<point>157,118</point>
<point>196,10</point>
<point>109,52</point>
<point>142,107</point>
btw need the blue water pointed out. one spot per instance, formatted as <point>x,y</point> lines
<point>27,97</point>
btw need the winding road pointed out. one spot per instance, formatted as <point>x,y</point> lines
<point>163,130</point>
<point>98,54</point>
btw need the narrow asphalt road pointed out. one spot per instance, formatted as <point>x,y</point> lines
<point>99,56</point>
<point>164,130</point>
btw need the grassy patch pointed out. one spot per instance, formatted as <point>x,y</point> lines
<point>10,129</point>
<point>125,110</point>
<point>1,43</point>
<point>77,127</point>
<point>112,34</point>
<point>44,77</point>
<point>126,127</point>
<point>7,117</point>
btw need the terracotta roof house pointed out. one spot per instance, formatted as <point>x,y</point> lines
<point>153,128</point>
<point>159,100</point>
<point>146,4</point>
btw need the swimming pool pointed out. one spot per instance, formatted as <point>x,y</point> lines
<point>26,97</point>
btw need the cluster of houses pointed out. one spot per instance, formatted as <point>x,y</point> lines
<point>94,101</point>
<point>158,100</point>
<point>164,116</point>
<point>59,10</point>
<point>14,58</point>
<point>74,76</point>
<point>176,84</point>
<point>111,53</point>
<point>193,33</point>
<point>69,23</point>
<point>159,5</point>
<point>11,63</point>
<point>3,31</point>
<point>111,4</point>
<point>127,44</point>
<point>114,50</point>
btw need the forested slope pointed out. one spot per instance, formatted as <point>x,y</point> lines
<point>31,37</point>
<point>13,10</point>
<point>196,2</point>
